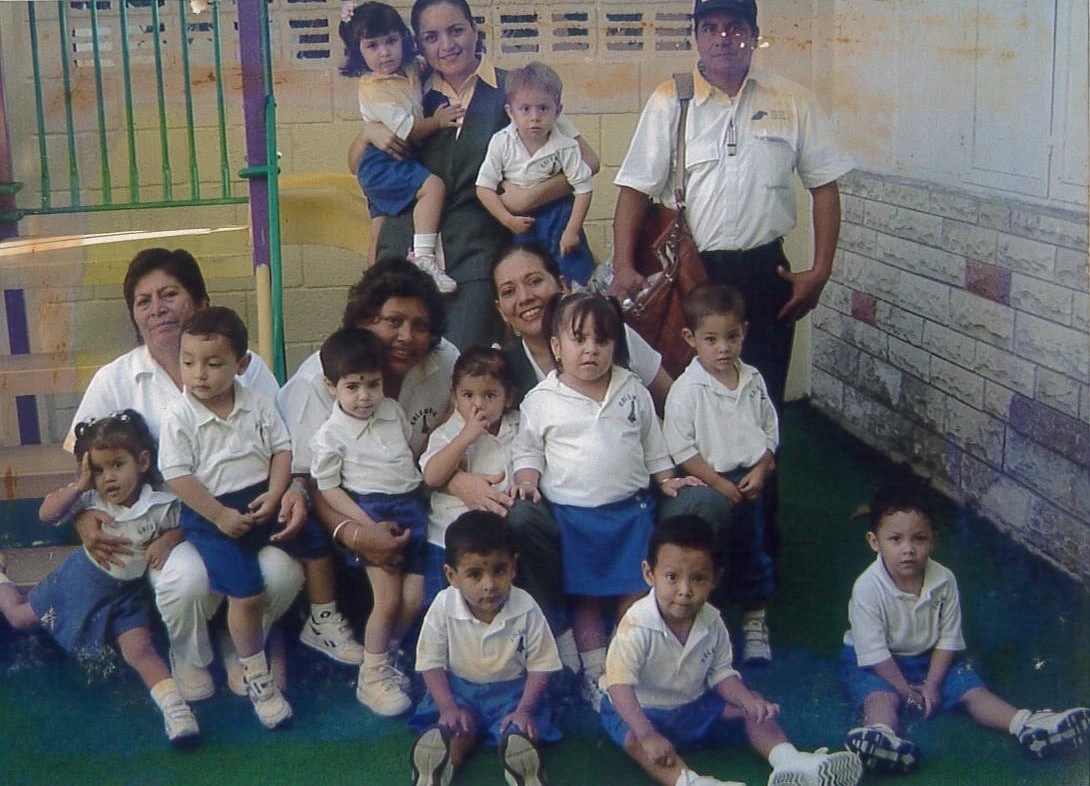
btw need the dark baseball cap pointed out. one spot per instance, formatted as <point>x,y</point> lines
<point>746,9</point>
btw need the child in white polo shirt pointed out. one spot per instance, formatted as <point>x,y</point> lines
<point>476,438</point>
<point>721,427</point>
<point>903,644</point>
<point>226,454</point>
<point>670,681</point>
<point>485,652</point>
<point>364,469</point>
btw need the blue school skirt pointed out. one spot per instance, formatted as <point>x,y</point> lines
<point>85,609</point>
<point>603,548</point>
<point>389,185</point>
<point>549,223</point>
<point>406,510</point>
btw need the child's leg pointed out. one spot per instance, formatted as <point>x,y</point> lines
<point>882,707</point>
<point>15,609</point>
<point>326,631</point>
<point>988,710</point>
<point>244,617</point>
<point>666,774</point>
<point>138,650</point>
<point>379,686</point>
<point>385,610</point>
<point>429,207</point>
<point>412,601</point>
<point>588,626</point>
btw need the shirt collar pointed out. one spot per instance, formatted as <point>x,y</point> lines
<point>149,498</point>
<point>516,605</point>
<point>931,580</point>
<point>205,415</point>
<point>486,72</point>
<point>646,614</point>
<point>704,90</point>
<point>701,376</point>
<point>355,426</point>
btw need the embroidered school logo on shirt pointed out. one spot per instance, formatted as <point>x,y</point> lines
<point>549,165</point>
<point>628,401</point>
<point>421,417</point>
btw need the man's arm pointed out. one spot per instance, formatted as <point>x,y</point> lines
<point>806,286</point>
<point>628,216</point>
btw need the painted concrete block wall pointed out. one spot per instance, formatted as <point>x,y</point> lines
<point>954,336</point>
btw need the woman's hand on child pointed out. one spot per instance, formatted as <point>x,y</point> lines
<point>449,115</point>
<point>104,548</point>
<point>672,485</point>
<point>658,749</point>
<point>293,515</point>
<point>478,491</point>
<point>523,721</point>
<point>234,524</point>
<point>381,137</point>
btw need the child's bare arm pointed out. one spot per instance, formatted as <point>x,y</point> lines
<point>57,504</point>
<point>891,673</point>
<point>523,714</point>
<point>753,704</point>
<point>266,506</point>
<point>698,467</point>
<point>570,238</point>
<point>160,548</point>
<point>931,689</point>
<point>448,459</point>
<point>227,520</point>
<point>658,749</point>
<point>753,482</point>
<point>451,715</point>
<point>494,205</point>
<point>340,500</point>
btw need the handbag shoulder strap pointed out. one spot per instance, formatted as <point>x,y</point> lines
<point>683,82</point>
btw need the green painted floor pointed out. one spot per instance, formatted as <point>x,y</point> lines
<point>1027,627</point>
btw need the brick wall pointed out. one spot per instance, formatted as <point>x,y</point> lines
<point>954,335</point>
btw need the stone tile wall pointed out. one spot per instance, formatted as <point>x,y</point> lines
<point>954,336</point>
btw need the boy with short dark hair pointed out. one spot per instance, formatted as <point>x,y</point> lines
<point>486,653</point>
<point>721,427</point>
<point>671,682</point>
<point>903,644</point>
<point>226,454</point>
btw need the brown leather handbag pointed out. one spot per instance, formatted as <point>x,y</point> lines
<point>668,258</point>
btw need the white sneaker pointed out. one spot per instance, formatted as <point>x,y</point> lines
<point>181,723</point>
<point>690,778</point>
<point>430,759</point>
<point>194,682</point>
<point>403,680</point>
<point>756,648</point>
<point>521,760</point>
<point>592,692</point>
<point>445,283</point>
<point>1046,733</point>
<point>378,690</point>
<point>271,707</point>
<point>881,750</point>
<point>332,636</point>
<point>819,768</point>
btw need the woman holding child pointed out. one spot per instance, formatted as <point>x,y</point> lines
<point>162,289</point>
<point>461,75</point>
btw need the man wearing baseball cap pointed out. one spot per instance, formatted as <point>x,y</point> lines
<point>747,133</point>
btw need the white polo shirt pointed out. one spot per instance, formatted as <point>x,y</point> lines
<point>508,159</point>
<point>886,621</point>
<point>665,673</point>
<point>729,429</point>
<point>223,454</point>
<point>305,402</point>
<point>487,455</point>
<point>517,641</point>
<point>741,201</point>
<point>395,100</point>
<point>136,381</point>
<point>591,453</point>
<point>365,456</point>
<point>643,359</point>
<point>153,513</point>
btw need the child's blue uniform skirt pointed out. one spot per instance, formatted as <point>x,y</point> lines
<point>603,548</point>
<point>489,703</point>
<point>549,223</point>
<point>406,510</point>
<point>389,185</point>
<point>85,608</point>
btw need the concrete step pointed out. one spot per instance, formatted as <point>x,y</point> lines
<point>28,566</point>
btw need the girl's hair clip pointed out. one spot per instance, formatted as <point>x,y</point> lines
<point>129,417</point>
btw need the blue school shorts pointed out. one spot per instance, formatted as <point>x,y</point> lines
<point>406,510</point>
<point>85,609</point>
<point>549,223</point>
<point>489,703</point>
<point>603,548</point>
<point>861,681</point>
<point>691,725</point>
<point>389,185</point>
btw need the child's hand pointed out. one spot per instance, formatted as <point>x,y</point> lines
<point>264,508</point>
<point>658,749</point>
<point>458,720</point>
<point>85,478</point>
<point>760,709</point>
<point>924,699</point>
<point>476,424</point>
<point>671,486</point>
<point>730,491</point>
<point>523,721</point>
<point>751,484</point>
<point>569,241</point>
<point>527,489</point>
<point>519,224</point>
<point>158,551</point>
<point>233,524</point>
<point>449,115</point>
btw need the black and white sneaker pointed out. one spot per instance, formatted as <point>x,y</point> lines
<point>881,750</point>
<point>1046,733</point>
<point>430,759</point>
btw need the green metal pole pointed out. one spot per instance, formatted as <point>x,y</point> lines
<point>39,107</point>
<point>130,122</point>
<point>164,143</point>
<point>187,84</point>
<point>66,72</point>
<point>221,112</point>
<point>103,145</point>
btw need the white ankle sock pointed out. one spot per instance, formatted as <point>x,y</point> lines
<point>781,754</point>
<point>594,662</point>
<point>424,245</point>
<point>1018,722</point>
<point>165,692</point>
<point>255,664</point>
